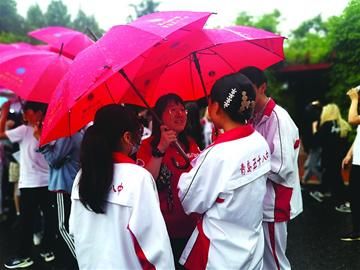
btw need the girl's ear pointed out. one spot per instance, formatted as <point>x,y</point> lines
<point>262,89</point>
<point>216,108</point>
<point>126,138</point>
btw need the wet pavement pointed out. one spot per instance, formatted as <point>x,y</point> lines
<point>313,240</point>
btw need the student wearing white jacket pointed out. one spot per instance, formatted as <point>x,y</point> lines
<point>115,215</point>
<point>283,199</point>
<point>227,185</point>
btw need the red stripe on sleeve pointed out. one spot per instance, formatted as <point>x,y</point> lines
<point>145,264</point>
<point>282,202</point>
<point>198,257</point>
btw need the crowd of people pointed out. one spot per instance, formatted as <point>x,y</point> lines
<point>329,154</point>
<point>121,195</point>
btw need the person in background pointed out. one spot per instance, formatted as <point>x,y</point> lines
<point>331,136</point>
<point>63,157</point>
<point>12,152</point>
<point>115,216</point>
<point>283,200</point>
<point>160,157</point>
<point>33,184</point>
<point>312,164</point>
<point>146,120</point>
<point>227,185</point>
<point>353,156</point>
<point>2,167</point>
<point>193,127</point>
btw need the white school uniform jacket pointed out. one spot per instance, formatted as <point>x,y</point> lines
<point>283,199</point>
<point>131,234</point>
<point>227,185</point>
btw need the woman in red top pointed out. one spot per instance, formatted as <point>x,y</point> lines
<point>156,154</point>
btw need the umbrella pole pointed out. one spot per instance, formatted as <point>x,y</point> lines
<point>157,118</point>
<point>198,68</point>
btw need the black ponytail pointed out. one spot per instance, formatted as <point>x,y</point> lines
<point>236,96</point>
<point>99,142</point>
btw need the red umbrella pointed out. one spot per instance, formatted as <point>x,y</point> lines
<point>73,41</point>
<point>202,58</point>
<point>32,74</point>
<point>210,53</point>
<point>83,90</point>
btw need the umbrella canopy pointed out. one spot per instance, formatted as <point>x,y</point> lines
<point>211,53</point>
<point>83,90</point>
<point>72,41</point>
<point>13,46</point>
<point>32,74</point>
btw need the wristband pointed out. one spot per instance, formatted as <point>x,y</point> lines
<point>157,153</point>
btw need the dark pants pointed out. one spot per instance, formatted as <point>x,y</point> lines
<point>65,248</point>
<point>177,246</point>
<point>33,199</point>
<point>332,181</point>
<point>354,189</point>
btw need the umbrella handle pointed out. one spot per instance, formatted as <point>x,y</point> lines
<point>183,154</point>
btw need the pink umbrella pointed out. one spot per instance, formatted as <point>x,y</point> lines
<point>83,90</point>
<point>13,46</point>
<point>73,41</point>
<point>32,74</point>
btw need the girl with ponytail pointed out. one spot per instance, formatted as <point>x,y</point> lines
<point>115,215</point>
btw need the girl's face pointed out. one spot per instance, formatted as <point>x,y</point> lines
<point>31,117</point>
<point>175,117</point>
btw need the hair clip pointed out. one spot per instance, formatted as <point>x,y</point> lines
<point>230,98</point>
<point>245,102</point>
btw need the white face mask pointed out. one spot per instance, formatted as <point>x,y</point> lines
<point>134,149</point>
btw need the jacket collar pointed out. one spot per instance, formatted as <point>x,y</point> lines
<point>234,134</point>
<point>269,107</point>
<point>265,113</point>
<point>121,158</point>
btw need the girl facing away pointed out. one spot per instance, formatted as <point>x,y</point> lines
<point>227,185</point>
<point>115,216</point>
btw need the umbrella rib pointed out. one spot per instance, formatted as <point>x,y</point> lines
<point>192,79</point>
<point>222,58</point>
<point>190,53</point>
<point>108,90</point>
<point>258,45</point>
<point>215,45</point>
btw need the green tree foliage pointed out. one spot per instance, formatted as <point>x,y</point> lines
<point>344,33</point>
<point>268,21</point>
<point>85,23</point>
<point>145,7</point>
<point>7,37</point>
<point>10,20</point>
<point>57,14</point>
<point>14,28</point>
<point>35,18</point>
<point>244,19</point>
<point>309,43</point>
